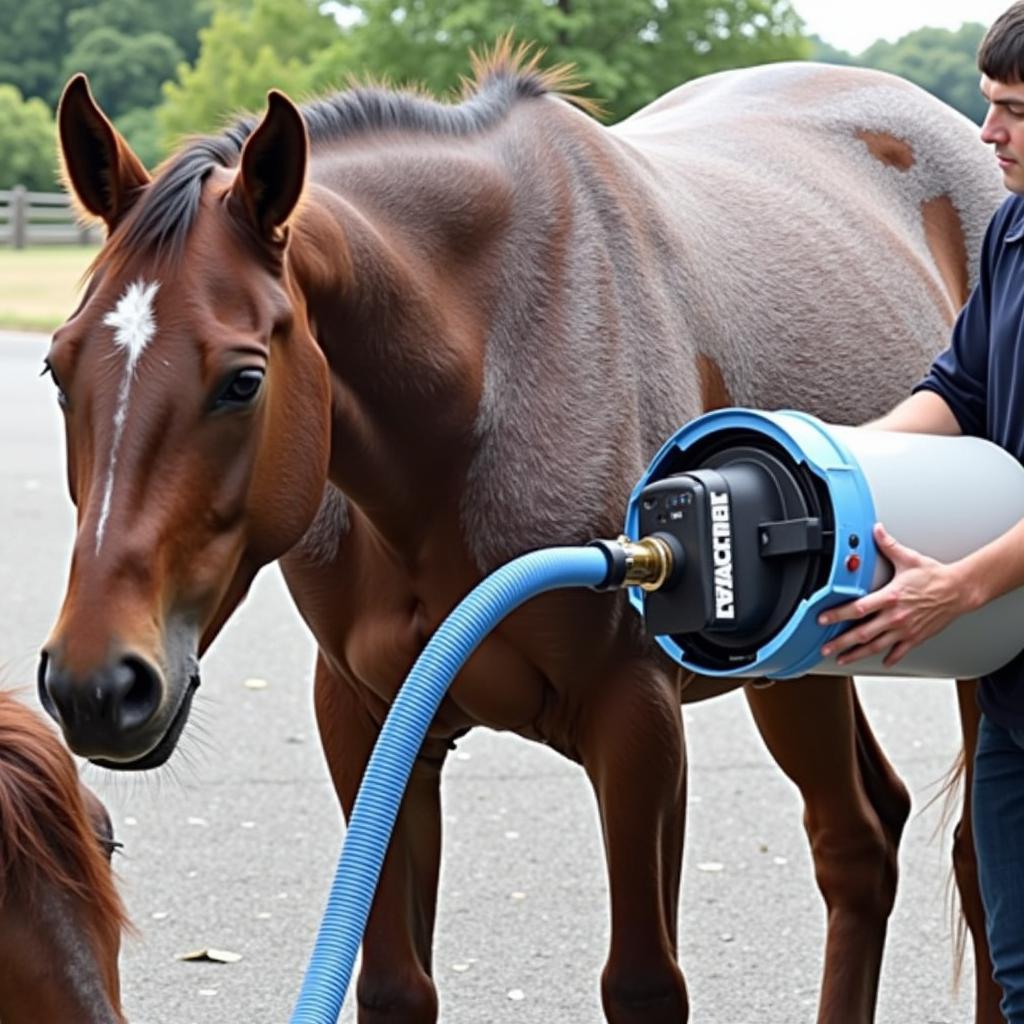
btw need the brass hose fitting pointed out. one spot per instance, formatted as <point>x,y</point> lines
<point>648,562</point>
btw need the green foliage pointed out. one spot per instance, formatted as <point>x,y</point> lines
<point>125,72</point>
<point>179,20</point>
<point>139,127</point>
<point>941,61</point>
<point>27,145</point>
<point>249,47</point>
<point>628,51</point>
<point>33,42</point>
<point>38,37</point>
<point>825,53</point>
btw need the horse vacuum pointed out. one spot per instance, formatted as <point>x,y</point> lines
<point>744,528</point>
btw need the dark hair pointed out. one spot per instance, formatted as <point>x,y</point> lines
<point>1001,54</point>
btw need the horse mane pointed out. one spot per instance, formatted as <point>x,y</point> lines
<point>162,218</point>
<point>45,836</point>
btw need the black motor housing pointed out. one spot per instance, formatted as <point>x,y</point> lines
<point>756,530</point>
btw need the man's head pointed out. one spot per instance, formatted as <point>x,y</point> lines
<point>1001,62</point>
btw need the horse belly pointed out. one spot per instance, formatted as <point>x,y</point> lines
<point>497,687</point>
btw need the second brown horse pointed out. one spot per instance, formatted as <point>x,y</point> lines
<point>396,343</point>
<point>61,918</point>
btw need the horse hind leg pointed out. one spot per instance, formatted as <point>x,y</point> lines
<point>855,810</point>
<point>987,993</point>
<point>632,749</point>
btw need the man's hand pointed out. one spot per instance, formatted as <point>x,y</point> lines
<point>923,597</point>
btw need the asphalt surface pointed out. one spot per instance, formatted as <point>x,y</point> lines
<point>232,845</point>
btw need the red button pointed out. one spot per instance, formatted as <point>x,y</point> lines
<point>853,563</point>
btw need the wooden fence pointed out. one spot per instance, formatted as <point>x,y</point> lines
<point>41,218</point>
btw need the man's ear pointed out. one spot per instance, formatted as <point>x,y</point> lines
<point>102,171</point>
<point>272,169</point>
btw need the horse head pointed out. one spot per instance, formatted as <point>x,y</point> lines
<point>61,918</point>
<point>175,376</point>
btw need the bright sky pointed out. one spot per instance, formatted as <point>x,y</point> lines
<point>855,26</point>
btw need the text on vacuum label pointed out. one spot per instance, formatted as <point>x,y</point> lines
<point>721,547</point>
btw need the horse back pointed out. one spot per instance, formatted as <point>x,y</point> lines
<point>836,215</point>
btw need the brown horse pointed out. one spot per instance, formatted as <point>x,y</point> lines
<point>395,343</point>
<point>60,916</point>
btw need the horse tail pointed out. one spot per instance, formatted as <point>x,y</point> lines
<point>949,790</point>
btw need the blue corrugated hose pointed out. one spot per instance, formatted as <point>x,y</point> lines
<point>387,772</point>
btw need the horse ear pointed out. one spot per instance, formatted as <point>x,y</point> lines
<point>100,166</point>
<point>273,166</point>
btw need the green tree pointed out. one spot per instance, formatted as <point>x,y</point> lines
<point>179,20</point>
<point>33,42</point>
<point>941,61</point>
<point>249,47</point>
<point>140,128</point>
<point>126,72</point>
<point>826,53</point>
<point>27,146</point>
<point>38,35</point>
<point>628,51</point>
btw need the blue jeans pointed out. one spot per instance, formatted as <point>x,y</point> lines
<point>998,820</point>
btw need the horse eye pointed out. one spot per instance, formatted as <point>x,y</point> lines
<point>62,398</point>
<point>109,845</point>
<point>241,389</point>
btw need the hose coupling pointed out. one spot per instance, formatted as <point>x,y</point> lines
<point>647,563</point>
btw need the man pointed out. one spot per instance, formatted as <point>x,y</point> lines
<point>975,387</point>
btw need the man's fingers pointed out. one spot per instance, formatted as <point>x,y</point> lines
<point>858,636</point>
<point>867,605</point>
<point>883,642</point>
<point>897,654</point>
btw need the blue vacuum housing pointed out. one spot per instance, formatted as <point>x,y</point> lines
<point>769,517</point>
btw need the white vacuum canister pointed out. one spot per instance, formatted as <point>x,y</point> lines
<point>945,497</point>
<point>770,518</point>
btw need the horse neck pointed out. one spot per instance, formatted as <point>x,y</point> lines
<point>396,250</point>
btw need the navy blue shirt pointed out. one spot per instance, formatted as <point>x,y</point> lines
<point>981,378</point>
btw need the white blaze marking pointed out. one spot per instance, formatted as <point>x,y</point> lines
<point>134,326</point>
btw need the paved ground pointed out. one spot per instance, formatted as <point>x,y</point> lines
<point>232,845</point>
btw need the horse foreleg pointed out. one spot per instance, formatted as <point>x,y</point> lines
<point>394,983</point>
<point>632,749</point>
<point>965,867</point>
<point>855,809</point>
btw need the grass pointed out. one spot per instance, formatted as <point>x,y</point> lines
<point>39,285</point>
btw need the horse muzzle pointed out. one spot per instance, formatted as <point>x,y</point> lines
<point>124,714</point>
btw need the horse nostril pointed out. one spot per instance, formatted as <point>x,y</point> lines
<point>43,687</point>
<point>136,692</point>
<point>123,696</point>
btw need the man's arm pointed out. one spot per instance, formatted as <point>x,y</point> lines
<point>924,412</point>
<point>998,567</point>
<point>993,570</point>
<point>924,595</point>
